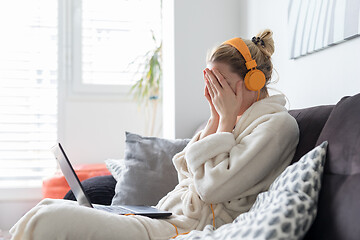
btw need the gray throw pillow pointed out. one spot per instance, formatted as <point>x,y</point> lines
<point>146,174</point>
<point>285,211</point>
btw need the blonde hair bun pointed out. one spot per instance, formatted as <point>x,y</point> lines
<point>266,36</point>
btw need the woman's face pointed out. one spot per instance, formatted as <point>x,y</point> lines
<point>224,69</point>
<point>249,97</point>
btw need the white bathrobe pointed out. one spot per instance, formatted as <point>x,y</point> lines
<point>225,170</point>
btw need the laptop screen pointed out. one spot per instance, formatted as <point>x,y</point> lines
<point>71,176</point>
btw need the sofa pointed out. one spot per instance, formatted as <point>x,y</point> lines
<point>338,206</point>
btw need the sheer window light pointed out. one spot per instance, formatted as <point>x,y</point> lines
<point>113,35</point>
<point>28,91</point>
<point>89,43</point>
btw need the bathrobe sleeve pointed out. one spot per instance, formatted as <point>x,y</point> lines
<point>224,167</point>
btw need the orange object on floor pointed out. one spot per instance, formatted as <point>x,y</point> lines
<point>56,186</point>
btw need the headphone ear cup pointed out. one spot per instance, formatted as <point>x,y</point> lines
<point>255,80</point>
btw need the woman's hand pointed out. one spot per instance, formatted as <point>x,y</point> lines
<point>213,122</point>
<point>226,103</point>
<point>214,115</point>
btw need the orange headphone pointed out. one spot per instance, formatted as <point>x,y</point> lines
<point>255,78</point>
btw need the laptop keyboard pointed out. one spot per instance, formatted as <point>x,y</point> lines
<point>113,209</point>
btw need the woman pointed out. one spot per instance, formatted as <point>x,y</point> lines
<point>248,141</point>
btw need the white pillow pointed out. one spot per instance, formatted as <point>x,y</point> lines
<point>115,167</point>
<point>285,211</point>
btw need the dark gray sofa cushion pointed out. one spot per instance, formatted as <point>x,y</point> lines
<point>339,202</point>
<point>311,121</point>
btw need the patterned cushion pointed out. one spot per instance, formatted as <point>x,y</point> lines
<point>285,211</point>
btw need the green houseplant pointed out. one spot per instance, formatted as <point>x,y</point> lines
<point>147,89</point>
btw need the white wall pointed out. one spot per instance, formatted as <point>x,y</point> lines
<point>12,211</point>
<point>320,78</point>
<point>191,28</point>
<point>323,77</point>
<point>15,203</point>
<point>92,128</point>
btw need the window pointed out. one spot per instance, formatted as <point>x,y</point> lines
<point>28,91</point>
<point>89,44</point>
<point>112,34</point>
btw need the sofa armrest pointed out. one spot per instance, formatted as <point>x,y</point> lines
<point>100,189</point>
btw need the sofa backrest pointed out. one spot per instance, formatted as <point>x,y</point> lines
<point>311,122</point>
<point>338,214</point>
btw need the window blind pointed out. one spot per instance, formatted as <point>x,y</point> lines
<point>28,91</point>
<point>114,34</point>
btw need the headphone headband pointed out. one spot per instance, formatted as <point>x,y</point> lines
<point>241,46</point>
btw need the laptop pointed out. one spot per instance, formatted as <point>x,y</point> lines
<point>84,200</point>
